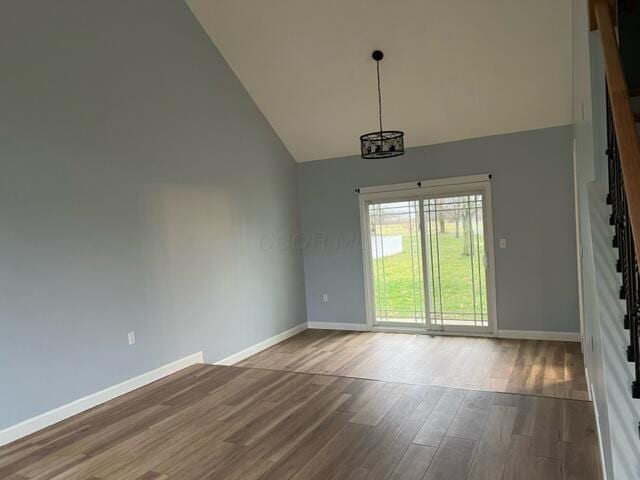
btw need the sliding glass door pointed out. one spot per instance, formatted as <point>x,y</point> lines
<point>457,262</point>
<point>428,256</point>
<point>396,261</point>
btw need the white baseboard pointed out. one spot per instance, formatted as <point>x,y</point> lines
<point>258,347</point>
<point>359,327</point>
<point>540,335</point>
<point>56,415</point>
<point>519,334</point>
<point>603,466</point>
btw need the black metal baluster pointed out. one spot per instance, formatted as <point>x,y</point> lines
<point>627,263</point>
<point>634,315</point>
<point>633,305</point>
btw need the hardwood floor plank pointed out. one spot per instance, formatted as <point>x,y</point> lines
<point>244,468</point>
<point>575,376</point>
<point>356,474</point>
<point>299,457</point>
<point>435,427</point>
<point>541,468</point>
<point>296,427</point>
<point>51,466</point>
<point>387,461</point>
<point>361,391</point>
<point>490,456</point>
<point>579,423</point>
<point>377,443</point>
<point>414,463</point>
<point>334,453</point>
<point>525,415</point>
<point>452,459</point>
<point>152,476</point>
<point>429,402</point>
<point>375,409</point>
<point>273,414</point>
<point>516,466</point>
<point>472,416</point>
<point>413,406</point>
<point>547,429</point>
<point>199,460</point>
<point>581,462</point>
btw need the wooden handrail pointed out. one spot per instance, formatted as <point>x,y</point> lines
<point>593,23</point>
<point>623,117</point>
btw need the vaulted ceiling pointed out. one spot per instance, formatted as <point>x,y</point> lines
<point>453,69</point>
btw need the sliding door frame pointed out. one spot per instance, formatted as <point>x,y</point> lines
<point>422,190</point>
<point>367,199</point>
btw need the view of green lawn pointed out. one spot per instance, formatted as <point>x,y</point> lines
<point>400,289</point>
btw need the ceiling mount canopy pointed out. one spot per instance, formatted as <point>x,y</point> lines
<point>382,143</point>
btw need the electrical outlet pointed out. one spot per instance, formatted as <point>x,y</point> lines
<point>325,298</point>
<point>503,243</point>
<point>132,338</point>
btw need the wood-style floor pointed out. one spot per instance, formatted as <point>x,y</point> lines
<point>214,422</point>
<point>553,369</point>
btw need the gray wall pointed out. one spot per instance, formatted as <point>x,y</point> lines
<point>533,208</point>
<point>137,179</point>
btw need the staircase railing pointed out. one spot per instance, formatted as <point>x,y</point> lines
<point>623,240</point>
<point>623,152</point>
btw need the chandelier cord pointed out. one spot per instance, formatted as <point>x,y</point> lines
<point>381,143</point>
<point>379,96</point>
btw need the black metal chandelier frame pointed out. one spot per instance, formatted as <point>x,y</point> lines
<point>382,143</point>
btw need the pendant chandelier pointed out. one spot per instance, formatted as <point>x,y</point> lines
<point>383,143</point>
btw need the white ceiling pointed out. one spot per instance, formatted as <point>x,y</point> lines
<point>453,69</point>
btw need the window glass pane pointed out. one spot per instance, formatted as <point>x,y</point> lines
<point>454,232</point>
<point>396,252</point>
